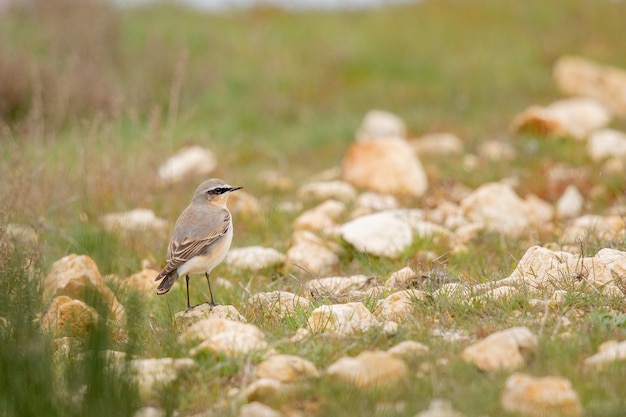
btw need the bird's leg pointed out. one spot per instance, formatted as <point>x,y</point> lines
<point>211,303</point>
<point>188,303</point>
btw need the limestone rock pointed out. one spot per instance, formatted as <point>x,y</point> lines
<point>370,369</point>
<point>403,279</point>
<point>574,117</point>
<point>338,287</point>
<point>262,389</point>
<point>504,350</point>
<point>312,254</point>
<point>385,166</point>
<point>244,203</point>
<point>537,261</point>
<point>496,150</point>
<point>606,143</point>
<point>548,396</point>
<point>142,281</point>
<point>579,273</point>
<point>399,306</point>
<point>67,317</point>
<point>254,258</point>
<point>151,374</point>
<point>322,217</point>
<point>592,226</point>
<point>440,408</point>
<point>578,76</point>
<point>615,261</point>
<point>136,220</point>
<point>327,190</point>
<point>372,202</point>
<point>222,336</point>
<point>279,304</point>
<point>501,210</point>
<point>287,368</point>
<point>184,319</point>
<point>257,409</point>
<point>438,144</point>
<point>77,276</point>
<point>386,233</point>
<point>342,319</point>
<point>570,204</point>
<point>379,124</point>
<point>610,353</point>
<point>408,349</point>
<point>189,161</point>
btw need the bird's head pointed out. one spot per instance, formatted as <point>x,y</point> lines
<point>214,191</point>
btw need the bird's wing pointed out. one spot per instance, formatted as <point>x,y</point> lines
<point>204,226</point>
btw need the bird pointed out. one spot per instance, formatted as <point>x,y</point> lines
<point>201,237</point>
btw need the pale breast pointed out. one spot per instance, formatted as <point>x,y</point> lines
<point>205,263</point>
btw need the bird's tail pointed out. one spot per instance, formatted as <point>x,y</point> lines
<point>167,281</point>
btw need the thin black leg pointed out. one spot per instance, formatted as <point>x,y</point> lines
<point>188,303</point>
<point>211,303</point>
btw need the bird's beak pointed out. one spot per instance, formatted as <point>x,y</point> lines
<point>235,188</point>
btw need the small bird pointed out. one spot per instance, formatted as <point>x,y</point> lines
<point>201,237</point>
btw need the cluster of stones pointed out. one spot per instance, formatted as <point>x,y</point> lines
<point>360,203</point>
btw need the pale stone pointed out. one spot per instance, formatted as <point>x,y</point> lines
<point>496,150</point>
<point>322,217</point>
<point>312,254</point>
<point>537,261</point>
<point>327,190</point>
<point>606,143</point>
<point>254,258</point>
<point>142,281</point>
<point>466,233</point>
<point>372,202</point>
<point>424,229</point>
<point>342,319</point>
<point>189,161</point>
<point>574,117</point>
<point>279,304</point>
<point>244,203</point>
<point>261,389</point>
<point>150,412</point>
<point>589,226</point>
<point>184,319</point>
<point>223,336</point>
<point>399,306</point>
<point>370,369</point>
<point>501,210</point>
<point>134,221</point>
<point>77,276</point>
<point>403,278</point>
<point>408,349</point>
<point>257,409</point>
<point>578,76</point>
<point>614,260</point>
<point>438,144</point>
<point>275,180</point>
<point>548,396</point>
<point>440,408</point>
<point>151,374</point>
<point>338,287</point>
<point>570,204</point>
<point>386,233</point>
<point>287,368</point>
<point>385,166</point>
<point>68,317</point>
<point>609,352</point>
<point>577,273</point>
<point>454,290</point>
<point>379,124</point>
<point>504,350</point>
<point>499,293</point>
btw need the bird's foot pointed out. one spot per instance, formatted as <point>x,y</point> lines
<point>210,303</point>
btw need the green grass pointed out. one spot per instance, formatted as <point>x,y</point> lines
<point>93,100</point>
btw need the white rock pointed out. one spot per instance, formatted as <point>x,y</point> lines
<point>574,117</point>
<point>287,368</point>
<point>312,254</point>
<point>501,210</point>
<point>342,319</point>
<point>134,221</point>
<point>150,412</point>
<point>610,353</point>
<point>504,350</point>
<point>193,160</point>
<point>243,203</point>
<point>438,144</point>
<point>151,374</point>
<point>440,408</point>
<point>385,166</point>
<point>370,201</point>
<point>399,306</point>
<point>496,150</point>
<point>338,287</point>
<point>387,233</point>
<point>537,261</point>
<point>142,281</point>
<point>379,124</point>
<point>402,279</point>
<point>614,260</point>
<point>254,258</point>
<point>327,190</point>
<point>606,143</point>
<point>279,304</point>
<point>184,319</point>
<point>223,336</point>
<point>570,204</point>
<point>408,349</point>
<point>592,226</point>
<point>257,409</point>
<point>370,369</point>
<point>67,317</point>
<point>548,396</point>
<point>322,217</point>
<point>261,389</point>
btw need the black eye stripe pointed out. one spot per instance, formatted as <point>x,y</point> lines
<point>216,191</point>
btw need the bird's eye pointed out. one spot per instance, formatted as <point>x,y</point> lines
<point>216,191</point>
